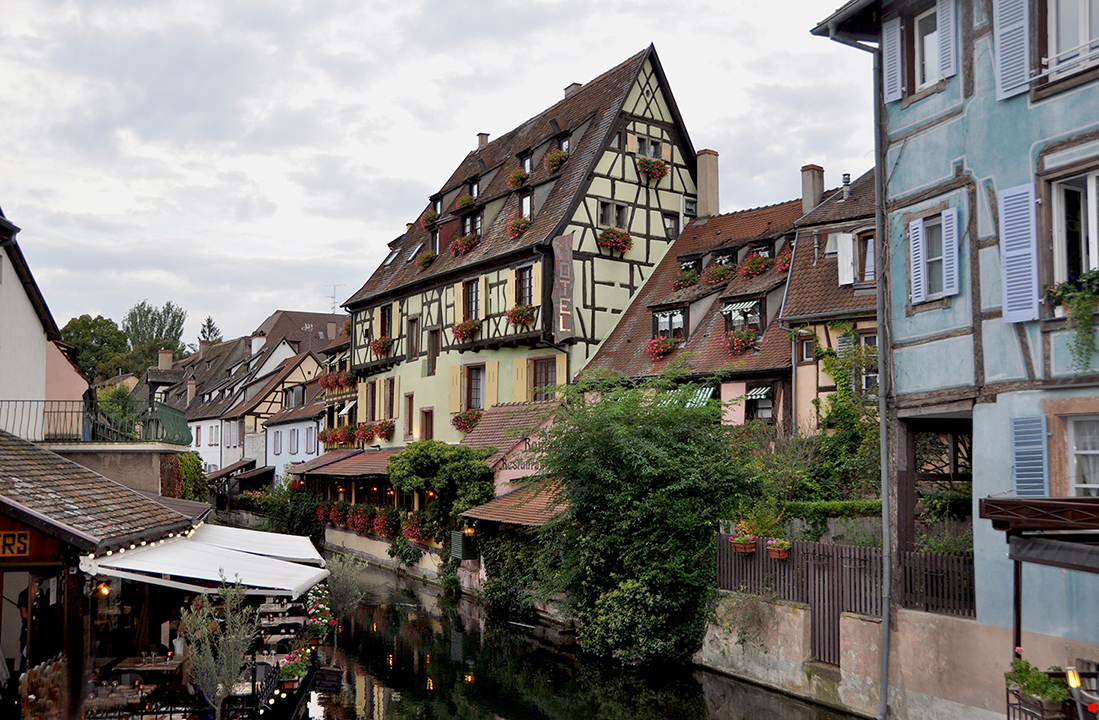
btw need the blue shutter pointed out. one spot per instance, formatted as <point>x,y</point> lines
<point>1029,467</point>
<point>1011,47</point>
<point>892,81</point>
<point>915,261</point>
<point>1019,254</point>
<point>948,47</point>
<point>950,251</point>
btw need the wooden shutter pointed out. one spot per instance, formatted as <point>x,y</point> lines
<point>459,303</point>
<point>492,383</point>
<point>1018,254</point>
<point>950,251</point>
<point>454,403</point>
<point>631,143</point>
<point>1011,47</point>
<point>397,399</point>
<point>892,79</point>
<point>482,300</point>
<point>844,343</point>
<point>376,323</point>
<point>562,370</point>
<point>845,256</point>
<point>536,284</point>
<point>395,317</point>
<point>947,32</point>
<point>666,151</point>
<point>915,261</point>
<point>512,290</point>
<point>1029,467</point>
<point>519,380</point>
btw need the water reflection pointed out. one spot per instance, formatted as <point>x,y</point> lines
<point>409,654</point>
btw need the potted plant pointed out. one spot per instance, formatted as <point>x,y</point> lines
<point>516,228</point>
<point>782,262</point>
<point>463,244</point>
<point>738,342</point>
<point>652,168</point>
<point>517,179</point>
<point>778,548</point>
<point>320,620</point>
<point>743,544</point>
<point>429,218</point>
<point>381,346</point>
<point>364,433</point>
<point>464,201</point>
<point>615,240</point>
<point>294,667</point>
<point>466,421</point>
<point>554,159</point>
<point>464,331</point>
<point>383,429</point>
<point>717,273</point>
<point>521,316</point>
<point>684,279</point>
<point>753,266</point>
<point>1036,690</point>
<point>424,260</point>
<point>660,348</point>
<point>347,435</point>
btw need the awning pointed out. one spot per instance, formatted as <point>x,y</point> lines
<point>1056,553</point>
<point>347,409</point>
<point>292,548</point>
<point>759,393</point>
<point>738,306</point>
<point>189,564</point>
<point>700,397</point>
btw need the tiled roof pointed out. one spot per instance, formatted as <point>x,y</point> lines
<point>240,465</point>
<point>531,506</point>
<point>301,412</point>
<point>597,103</point>
<point>356,464</point>
<point>274,379</point>
<point>188,508</point>
<point>291,325</point>
<point>326,459</point>
<point>72,499</point>
<point>858,205</point>
<point>500,424</point>
<point>624,350</point>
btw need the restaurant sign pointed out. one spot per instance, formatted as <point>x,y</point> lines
<point>21,544</point>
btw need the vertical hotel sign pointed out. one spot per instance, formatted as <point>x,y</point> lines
<point>562,288</point>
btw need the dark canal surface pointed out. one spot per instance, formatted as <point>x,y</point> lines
<point>411,654</point>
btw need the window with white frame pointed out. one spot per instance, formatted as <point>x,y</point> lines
<point>1072,28</point>
<point>526,206</point>
<point>527,164</point>
<point>1075,226</point>
<point>310,440</point>
<point>1083,450</point>
<point>919,48</point>
<point>808,350</point>
<point>278,442</point>
<point>670,324</point>
<point>869,379</point>
<point>927,50</point>
<point>933,256</point>
<point>475,188</point>
<point>864,258</point>
<point>740,316</point>
<point>293,441</point>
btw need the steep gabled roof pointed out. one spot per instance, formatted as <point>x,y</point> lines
<point>23,272</point>
<point>307,330</point>
<point>273,380</point>
<point>598,103</point>
<point>500,424</point>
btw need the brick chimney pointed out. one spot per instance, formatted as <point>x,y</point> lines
<point>164,359</point>
<point>482,140</point>
<point>571,89</point>
<point>190,389</point>
<point>203,346</point>
<point>708,205</point>
<point>812,186</point>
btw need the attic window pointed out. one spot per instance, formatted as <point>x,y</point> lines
<point>763,250</point>
<point>434,246</point>
<point>563,143</point>
<point>525,159</point>
<point>742,315</point>
<point>526,206</point>
<point>475,188</point>
<point>724,259</point>
<point>415,251</point>
<point>690,208</point>
<point>831,245</point>
<point>670,324</point>
<point>437,205</point>
<point>688,265</point>
<point>392,255</point>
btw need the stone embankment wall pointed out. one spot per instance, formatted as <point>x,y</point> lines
<point>376,552</point>
<point>941,667</point>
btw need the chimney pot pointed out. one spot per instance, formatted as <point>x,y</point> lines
<point>846,185</point>
<point>203,346</point>
<point>708,202</point>
<point>164,359</point>
<point>571,89</point>
<point>812,186</point>
<point>482,140</point>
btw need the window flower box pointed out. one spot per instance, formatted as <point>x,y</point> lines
<point>743,544</point>
<point>383,429</point>
<point>684,279</point>
<point>616,240</point>
<point>381,346</point>
<point>782,262</point>
<point>738,342</point>
<point>753,266</point>
<point>464,244</point>
<point>424,260</point>
<point>347,435</point>
<point>660,348</point>
<point>364,433</point>
<point>554,159</point>
<point>516,228</point>
<point>463,202</point>
<point>429,218</point>
<point>717,273</point>
<point>522,316</point>
<point>464,331</point>
<point>652,169</point>
<point>517,179</point>
<point>466,421</point>
<point>778,548</point>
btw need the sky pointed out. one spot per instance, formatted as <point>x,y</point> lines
<point>238,157</point>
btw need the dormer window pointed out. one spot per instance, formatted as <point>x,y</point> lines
<point>690,265</point>
<point>433,243</point>
<point>762,250</point>
<point>527,165</point>
<point>670,324</point>
<point>471,224</point>
<point>744,315</point>
<point>437,205</point>
<point>475,188</point>
<point>525,201</point>
<point>725,258</point>
<point>563,143</point>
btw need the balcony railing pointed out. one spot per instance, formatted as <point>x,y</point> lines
<point>89,421</point>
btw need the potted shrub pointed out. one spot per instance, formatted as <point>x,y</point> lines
<point>466,421</point>
<point>464,331</point>
<point>464,201</point>
<point>778,548</point>
<point>684,279</point>
<point>1036,690</point>
<point>463,244</point>
<point>652,168</point>
<point>753,266</point>
<point>717,273</point>
<point>424,260</point>
<point>517,179</point>
<point>743,544</point>
<point>554,159</point>
<point>660,348</point>
<point>516,228</point>
<point>615,240</point>
<point>738,342</point>
<point>521,316</point>
<point>381,346</point>
<point>429,218</point>
<point>383,429</point>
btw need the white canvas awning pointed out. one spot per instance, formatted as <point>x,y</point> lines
<point>292,548</point>
<point>759,393</point>
<point>739,306</point>
<point>347,409</point>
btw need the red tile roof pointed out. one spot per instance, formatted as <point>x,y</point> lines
<point>326,459</point>
<point>530,506</point>
<point>301,412</point>
<point>505,426</point>
<point>356,464</point>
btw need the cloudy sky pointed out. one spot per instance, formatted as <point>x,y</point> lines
<point>238,157</point>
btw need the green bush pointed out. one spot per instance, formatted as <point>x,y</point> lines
<point>816,513</point>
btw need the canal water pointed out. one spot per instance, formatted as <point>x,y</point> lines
<point>410,653</point>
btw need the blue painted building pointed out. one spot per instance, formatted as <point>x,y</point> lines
<point>988,154</point>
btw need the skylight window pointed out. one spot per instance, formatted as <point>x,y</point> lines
<point>392,255</point>
<point>415,251</point>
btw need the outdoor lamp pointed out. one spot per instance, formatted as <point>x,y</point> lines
<point>469,531</point>
<point>1073,677</point>
<point>103,588</point>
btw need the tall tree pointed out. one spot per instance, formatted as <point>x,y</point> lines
<point>97,340</point>
<point>209,331</point>
<point>218,640</point>
<point>141,358</point>
<point>145,322</point>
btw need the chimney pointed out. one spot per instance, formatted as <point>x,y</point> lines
<point>812,186</point>
<point>190,389</point>
<point>164,359</point>
<point>203,346</point>
<point>571,89</point>
<point>482,140</point>
<point>846,185</point>
<point>331,330</point>
<point>258,341</point>
<point>708,205</point>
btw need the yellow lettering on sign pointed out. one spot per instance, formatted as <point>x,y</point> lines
<point>15,544</point>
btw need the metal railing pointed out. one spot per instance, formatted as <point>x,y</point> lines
<point>89,421</point>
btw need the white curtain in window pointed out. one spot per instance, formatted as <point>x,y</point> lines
<point>1086,439</point>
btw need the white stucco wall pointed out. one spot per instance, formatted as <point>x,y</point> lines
<point>23,343</point>
<point>280,459</point>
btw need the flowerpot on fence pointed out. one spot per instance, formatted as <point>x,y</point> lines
<point>289,684</point>
<point>1042,708</point>
<point>778,553</point>
<point>745,548</point>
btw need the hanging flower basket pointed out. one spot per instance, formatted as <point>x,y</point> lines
<point>659,348</point>
<point>778,548</point>
<point>684,279</point>
<point>517,179</point>
<point>464,331</point>
<point>364,433</point>
<point>521,316</point>
<point>383,429</point>
<point>782,262</point>
<point>464,201</point>
<point>652,168</point>
<point>466,421</point>
<point>381,346</point>
<point>516,228</point>
<point>463,244</point>
<point>424,260</point>
<point>554,159</point>
<point>414,528</point>
<point>429,218</point>
<point>718,274</point>
<point>753,266</point>
<point>738,342</point>
<point>615,240</point>
<point>744,544</point>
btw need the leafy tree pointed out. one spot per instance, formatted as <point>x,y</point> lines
<point>457,474</point>
<point>145,323</point>
<point>193,478</point>
<point>345,590</point>
<point>293,513</point>
<point>209,331</point>
<point>97,340</point>
<point>120,406</point>
<point>644,472</point>
<point>141,358</point>
<point>218,640</point>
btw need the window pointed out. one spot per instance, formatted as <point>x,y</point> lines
<point>215,434</point>
<point>616,140</point>
<point>869,376</point>
<point>386,315</point>
<point>1072,28</point>
<point>526,160</point>
<point>927,50</point>
<point>427,424</point>
<point>670,324</point>
<point>671,226</point>
<point>433,347</point>
<point>524,286</point>
<point>433,242</point>
<point>563,144</point>
<point>390,401</point>
<point>198,435</point>
<point>865,259</point>
<point>294,441</point>
<point>471,299</point>
<point>933,247</point>
<point>808,350</point>
<point>654,148</point>
<point>437,206</point>
<point>758,404</point>
<point>690,208</point>
<point>475,387</point>
<point>544,376</point>
<point>310,440</point>
<point>467,225</point>
<point>409,408</point>
<point>525,201</point>
<point>372,401</point>
<point>477,224</point>
<point>475,188</point>
<point>278,442</point>
<point>1076,237</point>
<point>918,50</point>
<point>612,214</point>
<point>413,338</point>
<point>742,316</point>
<point>1084,456</point>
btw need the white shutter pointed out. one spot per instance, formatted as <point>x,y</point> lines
<point>1029,467</point>
<point>1018,254</point>
<point>845,256</point>
<point>1011,47</point>
<point>892,80</point>
<point>950,251</point>
<point>844,344</point>
<point>948,47</point>
<point>915,261</point>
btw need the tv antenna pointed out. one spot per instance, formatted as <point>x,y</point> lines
<point>334,295</point>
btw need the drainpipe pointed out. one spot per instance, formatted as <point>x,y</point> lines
<point>881,261</point>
